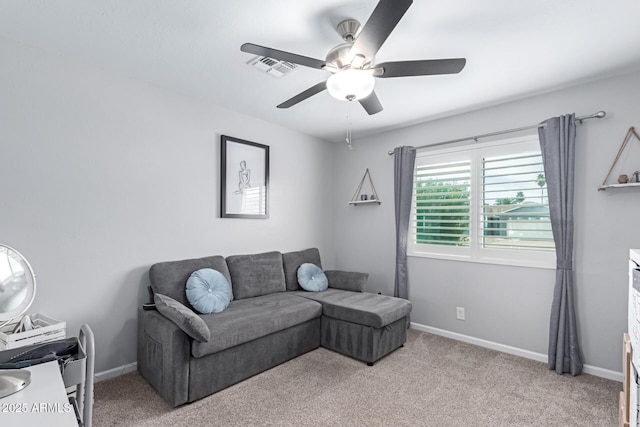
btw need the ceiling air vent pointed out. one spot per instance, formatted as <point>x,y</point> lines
<point>271,66</point>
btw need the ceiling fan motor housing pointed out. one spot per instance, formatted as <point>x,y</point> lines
<point>340,56</point>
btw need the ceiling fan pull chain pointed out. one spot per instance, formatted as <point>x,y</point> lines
<point>348,138</point>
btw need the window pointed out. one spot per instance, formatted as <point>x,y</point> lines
<point>485,203</point>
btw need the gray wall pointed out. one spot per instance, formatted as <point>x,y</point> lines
<point>102,176</point>
<point>510,305</point>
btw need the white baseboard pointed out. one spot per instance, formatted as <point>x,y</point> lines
<point>115,372</point>
<point>587,369</point>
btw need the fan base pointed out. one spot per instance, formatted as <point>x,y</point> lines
<point>349,29</point>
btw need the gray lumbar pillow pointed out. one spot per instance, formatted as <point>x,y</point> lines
<point>184,317</point>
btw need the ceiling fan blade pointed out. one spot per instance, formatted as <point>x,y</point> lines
<point>304,95</point>
<point>428,67</point>
<point>282,55</point>
<point>371,104</point>
<point>382,21</point>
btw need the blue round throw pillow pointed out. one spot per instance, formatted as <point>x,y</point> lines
<point>208,291</point>
<point>312,278</point>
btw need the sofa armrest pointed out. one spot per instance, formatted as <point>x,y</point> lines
<point>347,280</point>
<point>164,351</point>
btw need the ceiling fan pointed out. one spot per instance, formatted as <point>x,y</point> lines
<point>351,64</point>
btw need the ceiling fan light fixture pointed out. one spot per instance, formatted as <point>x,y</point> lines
<point>351,84</point>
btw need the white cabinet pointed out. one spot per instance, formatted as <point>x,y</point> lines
<point>634,304</point>
<point>634,335</point>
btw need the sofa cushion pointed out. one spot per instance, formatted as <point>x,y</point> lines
<point>170,278</point>
<point>255,275</point>
<point>360,307</point>
<point>208,291</point>
<point>184,317</point>
<point>251,318</point>
<point>312,278</point>
<point>293,260</point>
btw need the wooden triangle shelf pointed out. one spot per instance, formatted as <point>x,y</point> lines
<point>358,198</point>
<point>636,175</point>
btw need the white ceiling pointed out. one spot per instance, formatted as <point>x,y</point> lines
<point>513,49</point>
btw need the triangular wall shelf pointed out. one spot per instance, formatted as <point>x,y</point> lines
<point>358,198</point>
<point>636,175</point>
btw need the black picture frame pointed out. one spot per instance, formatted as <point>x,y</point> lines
<point>244,179</point>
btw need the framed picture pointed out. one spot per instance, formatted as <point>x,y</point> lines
<point>244,178</point>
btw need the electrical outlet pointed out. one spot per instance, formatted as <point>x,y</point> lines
<point>460,313</point>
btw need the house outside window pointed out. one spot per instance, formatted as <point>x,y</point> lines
<point>483,203</point>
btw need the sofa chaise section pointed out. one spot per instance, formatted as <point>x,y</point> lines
<point>358,324</point>
<point>362,325</point>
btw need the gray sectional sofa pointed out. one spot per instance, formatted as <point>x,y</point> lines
<point>269,321</point>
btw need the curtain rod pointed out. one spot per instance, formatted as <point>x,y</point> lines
<point>598,115</point>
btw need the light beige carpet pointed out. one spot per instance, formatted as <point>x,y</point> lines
<point>431,381</point>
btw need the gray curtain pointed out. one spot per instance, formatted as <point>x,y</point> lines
<point>557,143</point>
<point>404,161</point>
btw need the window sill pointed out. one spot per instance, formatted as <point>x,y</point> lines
<point>548,265</point>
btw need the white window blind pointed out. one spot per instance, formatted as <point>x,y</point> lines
<point>442,211</point>
<point>515,209</point>
<point>485,203</point>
